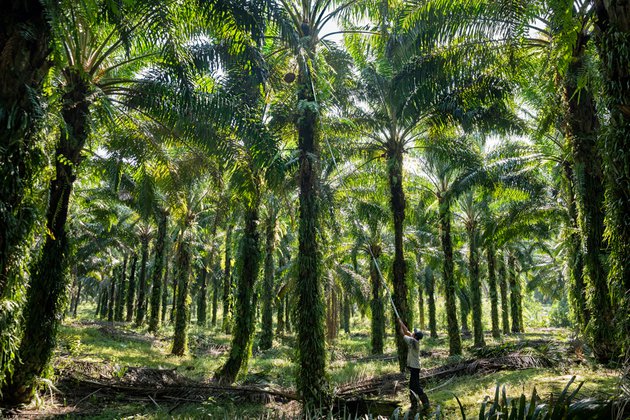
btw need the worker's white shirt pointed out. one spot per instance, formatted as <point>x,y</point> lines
<point>413,355</point>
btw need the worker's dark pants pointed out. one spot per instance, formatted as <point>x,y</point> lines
<point>414,387</point>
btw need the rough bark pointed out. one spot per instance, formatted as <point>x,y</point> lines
<point>515,293</point>
<point>131,292</point>
<point>46,295</point>
<point>492,290</point>
<point>454,339</point>
<point>399,270</point>
<point>613,43</point>
<point>249,265</point>
<point>142,280</point>
<point>158,272</point>
<point>475,284</point>
<point>182,273</point>
<point>376,303</point>
<point>575,261</point>
<point>430,283</point>
<point>25,36</point>
<point>581,131</point>
<point>227,281</point>
<point>311,380</point>
<point>503,287</point>
<point>111,304</point>
<point>266,338</point>
<point>165,290</point>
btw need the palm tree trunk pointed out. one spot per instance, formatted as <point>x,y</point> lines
<point>346,312</point>
<point>311,381</point>
<point>475,285</point>
<point>266,339</point>
<point>131,293</point>
<point>575,261</point>
<point>104,298</point>
<point>503,287</point>
<point>120,297</point>
<point>142,281</point>
<point>492,290</point>
<point>227,280</point>
<point>182,311</point>
<point>215,295</point>
<point>249,265</point>
<point>464,311</point>
<point>158,272</point>
<point>46,294</point>
<point>398,204</point>
<point>165,289</point>
<point>613,43</point>
<point>112,295</point>
<point>430,283</point>
<point>454,339</point>
<point>582,127</point>
<point>514,293</point>
<point>376,304</point>
<point>202,297</point>
<point>24,47</point>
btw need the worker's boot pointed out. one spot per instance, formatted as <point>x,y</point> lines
<point>426,405</point>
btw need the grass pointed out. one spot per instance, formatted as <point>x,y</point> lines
<point>82,341</point>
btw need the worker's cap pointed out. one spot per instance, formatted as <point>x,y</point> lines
<point>417,334</point>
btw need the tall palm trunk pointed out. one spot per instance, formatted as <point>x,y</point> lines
<point>266,339</point>
<point>112,295</point>
<point>248,267</point>
<point>575,260</point>
<point>429,279</point>
<point>492,290</point>
<point>582,128</point>
<point>310,318</point>
<point>77,299</point>
<point>158,273</point>
<point>142,280</point>
<point>182,311</point>
<point>215,295</point>
<point>376,304</point>
<point>345,324</point>
<point>131,293</point>
<point>24,47</point>
<point>165,290</point>
<point>613,42</point>
<point>515,293</point>
<point>454,339</point>
<point>475,284</point>
<point>227,280</point>
<point>47,292</point>
<point>202,297</point>
<point>398,204</point>
<point>120,297</point>
<point>503,287</point>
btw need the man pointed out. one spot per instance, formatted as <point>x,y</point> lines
<point>413,363</point>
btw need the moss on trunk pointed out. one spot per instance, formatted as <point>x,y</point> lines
<point>429,280</point>
<point>182,311</point>
<point>454,339</point>
<point>266,338</point>
<point>492,290</point>
<point>248,268</point>
<point>475,283</point>
<point>158,272</point>
<point>142,279</point>
<point>613,43</point>
<point>399,269</point>
<point>46,296</point>
<point>376,303</point>
<point>503,287</point>
<point>131,292</point>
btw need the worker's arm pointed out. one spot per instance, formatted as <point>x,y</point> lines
<point>403,328</point>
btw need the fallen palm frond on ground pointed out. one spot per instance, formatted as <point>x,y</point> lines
<point>390,384</point>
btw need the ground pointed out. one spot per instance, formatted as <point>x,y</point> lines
<point>107,371</point>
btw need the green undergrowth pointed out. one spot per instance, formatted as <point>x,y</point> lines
<point>113,348</point>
